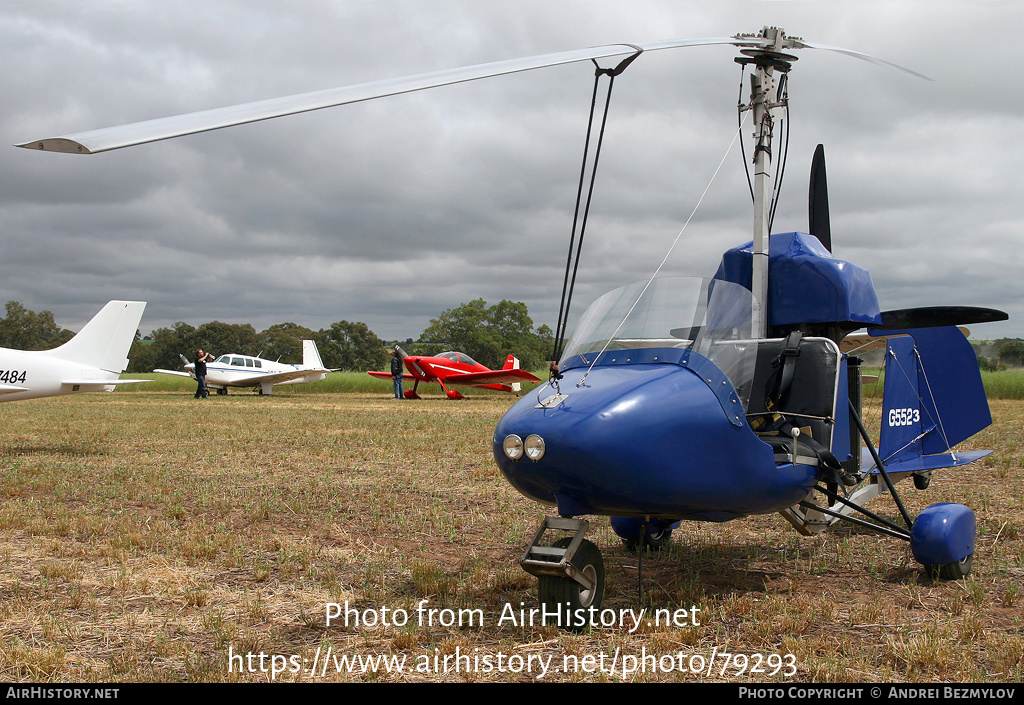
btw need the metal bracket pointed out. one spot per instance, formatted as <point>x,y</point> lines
<point>557,560</point>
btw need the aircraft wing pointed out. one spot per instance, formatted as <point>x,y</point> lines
<point>276,377</point>
<point>476,379</point>
<point>387,375</point>
<point>179,373</point>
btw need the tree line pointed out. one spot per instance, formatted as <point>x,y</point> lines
<point>343,346</point>
<point>488,334</point>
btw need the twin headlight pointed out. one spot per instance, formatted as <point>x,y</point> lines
<point>515,447</point>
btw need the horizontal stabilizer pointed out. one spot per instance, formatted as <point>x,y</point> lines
<point>925,462</point>
<point>938,316</point>
<point>174,372</point>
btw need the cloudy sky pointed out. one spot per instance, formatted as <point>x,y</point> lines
<point>391,211</point>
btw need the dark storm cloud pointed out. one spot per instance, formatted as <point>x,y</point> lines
<point>392,211</point>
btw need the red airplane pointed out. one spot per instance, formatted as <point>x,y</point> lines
<point>455,368</point>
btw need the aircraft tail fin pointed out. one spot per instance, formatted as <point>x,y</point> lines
<point>310,355</point>
<point>104,341</point>
<point>933,398</point>
<point>511,363</point>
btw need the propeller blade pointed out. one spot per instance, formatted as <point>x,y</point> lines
<point>817,200</point>
<point>936,316</point>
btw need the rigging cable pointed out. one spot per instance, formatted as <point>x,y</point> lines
<point>572,262</point>
<point>667,254</point>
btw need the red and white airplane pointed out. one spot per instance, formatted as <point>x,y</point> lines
<point>459,369</point>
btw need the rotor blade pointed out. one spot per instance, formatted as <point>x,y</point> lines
<point>817,200</point>
<point>863,57</point>
<point>935,316</point>
<point>105,139</point>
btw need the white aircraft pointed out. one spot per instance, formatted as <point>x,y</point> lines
<point>92,361</point>
<point>233,370</point>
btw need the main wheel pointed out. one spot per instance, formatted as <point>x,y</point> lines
<point>952,571</point>
<point>566,597</point>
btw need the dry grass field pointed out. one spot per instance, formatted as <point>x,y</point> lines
<point>146,536</point>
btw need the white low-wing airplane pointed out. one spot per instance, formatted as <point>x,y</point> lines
<point>92,361</point>
<point>234,370</point>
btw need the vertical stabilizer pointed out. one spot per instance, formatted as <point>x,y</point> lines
<point>104,342</point>
<point>933,397</point>
<point>311,356</point>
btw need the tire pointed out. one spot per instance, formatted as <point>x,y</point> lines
<point>952,571</point>
<point>565,596</point>
<point>921,482</point>
<point>654,542</point>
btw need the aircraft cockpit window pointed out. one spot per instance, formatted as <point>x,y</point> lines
<point>466,359</point>
<point>453,356</point>
<point>714,318</point>
<point>248,362</point>
<point>238,362</point>
<point>226,359</point>
<point>258,362</point>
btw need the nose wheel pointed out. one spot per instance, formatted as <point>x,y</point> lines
<point>570,573</point>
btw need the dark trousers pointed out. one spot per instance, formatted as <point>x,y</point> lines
<point>201,391</point>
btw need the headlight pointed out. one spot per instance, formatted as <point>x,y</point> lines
<point>513,447</point>
<point>534,447</point>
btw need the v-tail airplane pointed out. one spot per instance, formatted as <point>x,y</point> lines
<point>92,361</point>
<point>235,370</point>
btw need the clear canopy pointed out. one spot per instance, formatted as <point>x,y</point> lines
<point>716,319</point>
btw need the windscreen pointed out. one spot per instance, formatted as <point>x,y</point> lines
<point>714,318</point>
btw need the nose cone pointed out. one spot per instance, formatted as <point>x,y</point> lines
<point>648,440</point>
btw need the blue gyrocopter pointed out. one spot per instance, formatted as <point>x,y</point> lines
<point>711,399</point>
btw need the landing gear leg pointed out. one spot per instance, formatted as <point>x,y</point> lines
<point>570,573</point>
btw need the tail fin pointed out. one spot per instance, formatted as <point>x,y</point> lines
<point>310,355</point>
<point>933,396</point>
<point>104,341</point>
<point>511,363</point>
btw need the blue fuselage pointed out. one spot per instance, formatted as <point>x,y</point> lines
<point>646,439</point>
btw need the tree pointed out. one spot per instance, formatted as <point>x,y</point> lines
<point>489,334</point>
<point>163,351</point>
<point>1011,352</point>
<point>22,329</point>
<point>350,346</point>
<point>283,341</point>
<point>219,338</point>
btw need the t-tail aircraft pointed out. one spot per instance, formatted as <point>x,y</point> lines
<point>92,361</point>
<point>235,370</point>
<point>460,370</point>
<point>710,399</point>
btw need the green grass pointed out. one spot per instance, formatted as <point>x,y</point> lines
<point>999,384</point>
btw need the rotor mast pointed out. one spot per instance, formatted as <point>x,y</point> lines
<point>771,67</point>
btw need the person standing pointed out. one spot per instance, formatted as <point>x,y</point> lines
<point>396,374</point>
<point>200,370</point>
